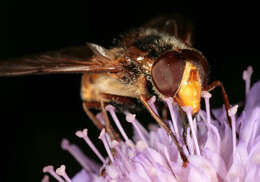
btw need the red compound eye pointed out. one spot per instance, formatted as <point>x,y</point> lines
<point>167,72</point>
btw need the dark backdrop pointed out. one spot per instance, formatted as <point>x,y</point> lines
<point>41,110</point>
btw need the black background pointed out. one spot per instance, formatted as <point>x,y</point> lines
<point>41,110</point>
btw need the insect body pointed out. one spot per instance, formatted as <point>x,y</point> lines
<point>156,59</point>
<point>170,66</point>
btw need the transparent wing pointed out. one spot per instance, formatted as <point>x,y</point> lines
<point>80,59</point>
<point>175,25</point>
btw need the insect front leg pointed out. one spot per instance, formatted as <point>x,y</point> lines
<point>165,112</point>
<point>164,125</point>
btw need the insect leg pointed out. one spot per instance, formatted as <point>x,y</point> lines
<point>165,112</point>
<point>163,125</point>
<point>117,99</point>
<point>96,122</point>
<point>108,126</point>
<point>212,86</point>
<point>86,107</point>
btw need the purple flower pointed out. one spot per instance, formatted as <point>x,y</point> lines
<point>216,152</point>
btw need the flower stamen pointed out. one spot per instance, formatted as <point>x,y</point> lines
<point>206,95</point>
<point>131,119</point>
<point>188,111</point>
<point>45,178</point>
<point>75,151</point>
<point>151,102</point>
<point>102,137</point>
<point>232,112</point>
<point>61,171</point>
<point>50,170</point>
<point>84,134</point>
<point>247,77</point>
<point>100,117</point>
<point>143,130</point>
<point>111,110</point>
<point>169,102</point>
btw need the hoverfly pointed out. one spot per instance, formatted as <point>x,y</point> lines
<point>156,59</point>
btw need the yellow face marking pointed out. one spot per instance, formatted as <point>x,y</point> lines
<point>189,92</point>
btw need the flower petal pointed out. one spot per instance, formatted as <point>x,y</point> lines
<point>253,174</point>
<point>201,169</point>
<point>253,99</point>
<point>217,162</point>
<point>82,176</point>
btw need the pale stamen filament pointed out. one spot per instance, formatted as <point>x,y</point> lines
<point>232,112</point>
<point>50,170</point>
<point>131,119</point>
<point>206,95</point>
<point>188,111</point>
<point>170,103</point>
<point>103,138</point>
<point>151,102</point>
<point>111,110</point>
<point>61,171</point>
<point>195,125</point>
<point>45,178</point>
<point>84,134</point>
<point>75,151</point>
<point>143,130</point>
<point>247,77</point>
<point>100,117</point>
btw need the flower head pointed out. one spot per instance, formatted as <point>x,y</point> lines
<point>216,151</point>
